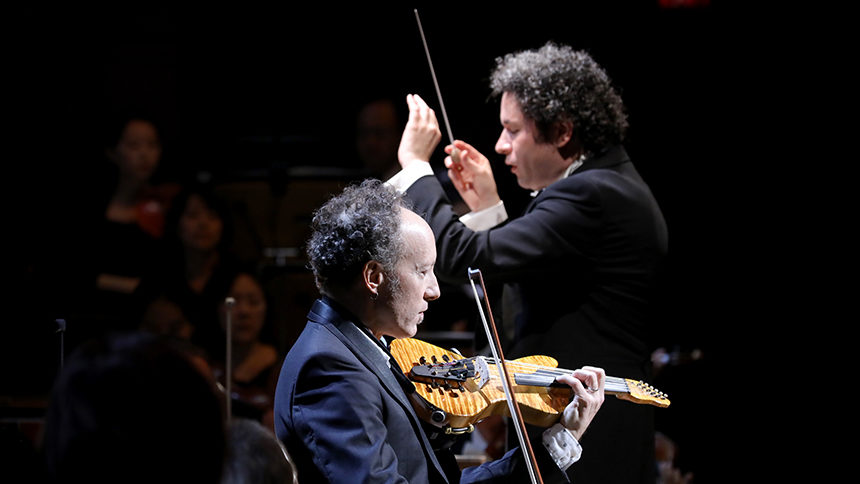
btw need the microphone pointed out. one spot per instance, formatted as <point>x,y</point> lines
<point>229,302</point>
<point>61,324</point>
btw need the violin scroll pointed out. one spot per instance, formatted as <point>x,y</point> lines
<point>641,392</point>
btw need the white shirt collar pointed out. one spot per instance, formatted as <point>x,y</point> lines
<point>376,345</point>
<point>570,169</point>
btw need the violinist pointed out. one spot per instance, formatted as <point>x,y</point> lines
<point>580,268</point>
<point>342,405</point>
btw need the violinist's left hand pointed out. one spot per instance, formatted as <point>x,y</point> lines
<point>421,135</point>
<point>588,387</point>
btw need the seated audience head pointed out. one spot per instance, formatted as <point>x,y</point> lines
<point>249,310</point>
<point>377,136</point>
<point>134,144</point>
<point>256,456</point>
<point>165,317</point>
<point>133,408</point>
<point>198,221</point>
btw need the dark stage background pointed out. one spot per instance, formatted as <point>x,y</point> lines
<point>267,94</point>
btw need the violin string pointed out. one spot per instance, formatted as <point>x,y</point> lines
<point>545,369</point>
<point>550,371</point>
<point>611,384</point>
<point>610,380</point>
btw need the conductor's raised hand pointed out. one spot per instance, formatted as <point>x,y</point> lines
<point>421,135</point>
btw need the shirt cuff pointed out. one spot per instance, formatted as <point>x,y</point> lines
<point>562,447</point>
<point>404,178</point>
<point>487,218</point>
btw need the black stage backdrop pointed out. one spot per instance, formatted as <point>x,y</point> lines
<point>263,91</point>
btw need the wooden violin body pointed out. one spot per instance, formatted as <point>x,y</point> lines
<point>456,392</point>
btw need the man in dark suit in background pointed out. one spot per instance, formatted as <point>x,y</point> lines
<point>342,408</point>
<point>581,266</point>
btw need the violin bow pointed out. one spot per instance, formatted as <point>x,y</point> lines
<point>496,347</point>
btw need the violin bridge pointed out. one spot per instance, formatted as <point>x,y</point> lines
<point>481,375</point>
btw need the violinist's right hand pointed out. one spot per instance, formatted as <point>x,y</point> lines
<point>588,387</point>
<point>471,174</point>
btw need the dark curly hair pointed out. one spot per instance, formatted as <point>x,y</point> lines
<point>360,224</point>
<point>557,84</point>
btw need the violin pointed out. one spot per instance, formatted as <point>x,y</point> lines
<point>456,392</point>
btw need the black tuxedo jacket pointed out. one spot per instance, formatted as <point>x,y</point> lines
<point>582,267</point>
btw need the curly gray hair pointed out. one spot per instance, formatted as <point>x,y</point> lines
<point>360,224</point>
<point>558,84</point>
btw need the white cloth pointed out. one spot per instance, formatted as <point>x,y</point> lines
<point>563,448</point>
